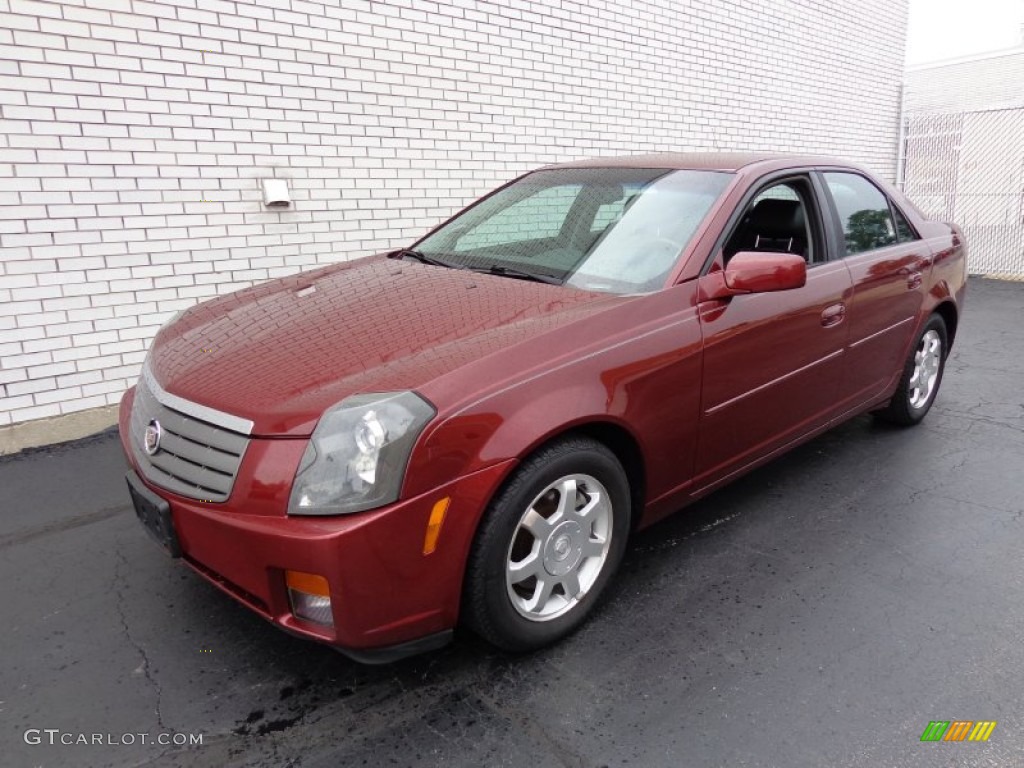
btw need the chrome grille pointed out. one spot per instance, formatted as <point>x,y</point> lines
<point>196,457</point>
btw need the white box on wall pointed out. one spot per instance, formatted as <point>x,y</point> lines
<point>275,193</point>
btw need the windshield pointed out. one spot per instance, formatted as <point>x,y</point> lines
<point>618,230</point>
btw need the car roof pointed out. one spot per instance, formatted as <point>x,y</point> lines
<point>705,161</point>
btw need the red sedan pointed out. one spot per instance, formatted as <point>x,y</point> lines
<point>468,429</point>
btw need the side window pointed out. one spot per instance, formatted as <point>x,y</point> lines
<point>538,217</point>
<point>775,220</point>
<point>904,231</point>
<point>863,212</point>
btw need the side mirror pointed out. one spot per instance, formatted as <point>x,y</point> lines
<point>762,271</point>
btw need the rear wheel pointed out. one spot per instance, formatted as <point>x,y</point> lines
<point>922,375</point>
<point>548,545</point>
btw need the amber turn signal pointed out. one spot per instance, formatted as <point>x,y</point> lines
<point>309,583</point>
<point>310,597</point>
<point>434,525</point>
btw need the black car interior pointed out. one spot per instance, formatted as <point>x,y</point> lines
<point>776,222</point>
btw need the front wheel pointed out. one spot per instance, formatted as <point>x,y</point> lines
<point>547,546</point>
<point>921,377</point>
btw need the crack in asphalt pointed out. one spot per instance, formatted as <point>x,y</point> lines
<point>532,729</point>
<point>119,604</point>
<point>29,534</point>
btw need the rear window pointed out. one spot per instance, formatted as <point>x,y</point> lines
<point>904,231</point>
<point>863,212</point>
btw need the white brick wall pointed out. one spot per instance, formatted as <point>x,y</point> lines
<point>133,136</point>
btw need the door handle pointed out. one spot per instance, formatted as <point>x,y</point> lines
<point>914,280</point>
<point>833,314</point>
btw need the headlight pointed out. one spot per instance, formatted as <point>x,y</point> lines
<point>357,455</point>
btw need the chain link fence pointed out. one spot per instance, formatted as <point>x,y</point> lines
<point>968,168</point>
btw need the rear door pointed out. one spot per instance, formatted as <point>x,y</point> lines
<point>888,263</point>
<point>772,361</point>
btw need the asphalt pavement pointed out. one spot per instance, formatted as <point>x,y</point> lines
<point>818,612</point>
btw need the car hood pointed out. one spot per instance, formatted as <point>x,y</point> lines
<point>283,351</point>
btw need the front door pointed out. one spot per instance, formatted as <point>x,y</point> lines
<point>772,361</point>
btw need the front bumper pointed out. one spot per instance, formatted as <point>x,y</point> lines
<point>388,599</point>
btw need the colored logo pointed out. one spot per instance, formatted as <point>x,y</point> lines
<point>958,730</point>
<point>151,439</point>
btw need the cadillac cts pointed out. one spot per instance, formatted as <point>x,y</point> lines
<point>468,429</point>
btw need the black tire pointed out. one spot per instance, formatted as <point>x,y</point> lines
<point>487,604</point>
<point>901,409</point>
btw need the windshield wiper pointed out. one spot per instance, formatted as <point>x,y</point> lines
<point>519,274</point>
<point>493,269</point>
<point>423,258</point>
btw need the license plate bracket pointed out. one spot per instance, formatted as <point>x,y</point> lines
<point>155,515</point>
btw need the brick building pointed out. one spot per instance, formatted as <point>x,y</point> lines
<point>135,135</point>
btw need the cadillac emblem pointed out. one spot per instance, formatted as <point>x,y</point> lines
<point>151,437</point>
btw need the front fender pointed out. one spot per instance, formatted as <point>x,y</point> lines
<point>646,382</point>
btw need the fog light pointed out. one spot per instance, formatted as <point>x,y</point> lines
<point>310,597</point>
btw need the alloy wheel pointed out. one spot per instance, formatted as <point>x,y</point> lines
<point>927,363</point>
<point>559,547</point>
